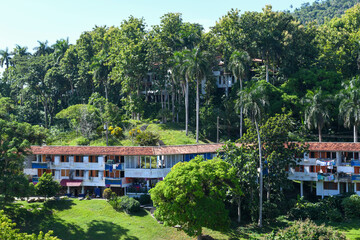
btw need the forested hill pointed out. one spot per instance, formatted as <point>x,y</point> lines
<point>321,10</point>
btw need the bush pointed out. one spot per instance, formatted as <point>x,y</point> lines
<point>107,193</point>
<point>271,210</point>
<point>147,138</point>
<point>81,141</point>
<point>116,203</point>
<point>129,205</point>
<point>145,199</point>
<point>306,230</point>
<point>351,206</point>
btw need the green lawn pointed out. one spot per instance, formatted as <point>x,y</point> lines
<point>96,219</point>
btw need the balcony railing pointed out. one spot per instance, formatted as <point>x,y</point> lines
<point>134,189</point>
<point>42,165</point>
<point>355,177</point>
<point>355,163</point>
<point>111,167</point>
<point>113,181</point>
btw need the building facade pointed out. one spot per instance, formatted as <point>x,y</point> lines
<point>327,168</point>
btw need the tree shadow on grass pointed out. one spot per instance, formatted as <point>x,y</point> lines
<point>106,230</point>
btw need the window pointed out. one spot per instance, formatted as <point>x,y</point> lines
<point>93,173</point>
<point>299,168</point>
<point>64,158</point>
<point>330,186</point>
<point>357,187</point>
<point>65,172</point>
<point>312,168</point>
<point>357,170</point>
<point>79,159</point>
<point>356,155</point>
<point>79,173</point>
<point>312,155</point>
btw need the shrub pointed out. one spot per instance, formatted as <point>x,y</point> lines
<point>271,210</point>
<point>145,199</point>
<point>306,230</point>
<point>107,193</point>
<point>116,203</point>
<point>147,138</point>
<point>351,206</point>
<point>82,141</point>
<point>129,205</point>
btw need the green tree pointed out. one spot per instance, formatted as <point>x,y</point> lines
<point>192,195</point>
<point>239,65</point>
<point>47,186</point>
<point>253,101</point>
<point>349,108</point>
<point>42,49</point>
<point>15,141</point>
<point>316,110</point>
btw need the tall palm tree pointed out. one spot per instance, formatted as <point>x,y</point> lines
<point>316,110</point>
<point>179,72</point>
<point>253,102</point>
<point>60,48</point>
<point>196,69</point>
<point>42,49</point>
<point>5,58</point>
<point>349,108</point>
<point>20,51</point>
<point>238,65</point>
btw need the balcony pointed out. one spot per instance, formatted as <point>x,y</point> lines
<point>41,165</point>
<point>134,189</point>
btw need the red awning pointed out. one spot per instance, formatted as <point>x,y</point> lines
<point>70,183</point>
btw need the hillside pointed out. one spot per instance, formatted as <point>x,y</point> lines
<point>169,134</point>
<point>321,10</point>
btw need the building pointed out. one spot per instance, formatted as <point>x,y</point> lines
<point>327,168</point>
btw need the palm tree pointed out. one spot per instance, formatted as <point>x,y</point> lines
<point>179,71</point>
<point>42,49</point>
<point>60,48</point>
<point>239,63</point>
<point>196,69</point>
<point>5,58</point>
<point>20,51</point>
<point>316,110</point>
<point>253,102</point>
<point>349,108</point>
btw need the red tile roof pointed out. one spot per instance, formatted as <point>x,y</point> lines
<point>172,150</point>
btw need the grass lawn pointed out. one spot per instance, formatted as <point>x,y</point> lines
<point>94,219</point>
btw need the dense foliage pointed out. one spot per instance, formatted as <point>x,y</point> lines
<point>47,186</point>
<point>192,195</point>
<point>125,203</point>
<point>8,231</point>
<point>127,72</point>
<point>322,10</point>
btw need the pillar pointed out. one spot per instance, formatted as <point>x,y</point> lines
<point>347,187</point>
<point>301,188</point>
<point>322,191</point>
<point>82,190</point>
<point>355,187</point>
<point>68,190</point>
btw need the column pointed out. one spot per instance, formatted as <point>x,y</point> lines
<point>322,191</point>
<point>68,190</point>
<point>148,183</point>
<point>82,190</point>
<point>355,187</point>
<point>301,188</point>
<point>347,187</point>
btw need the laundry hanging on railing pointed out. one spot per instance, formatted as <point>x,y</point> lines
<point>325,163</point>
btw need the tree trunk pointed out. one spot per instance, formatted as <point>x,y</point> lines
<point>173,103</point>
<point>268,192</point>
<point>197,110</point>
<point>241,111</point>
<point>355,133</point>
<point>320,137</point>
<point>187,107</point>
<point>260,176</point>
<point>267,72</point>
<point>239,210</point>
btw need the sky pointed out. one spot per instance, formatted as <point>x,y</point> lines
<point>24,22</point>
